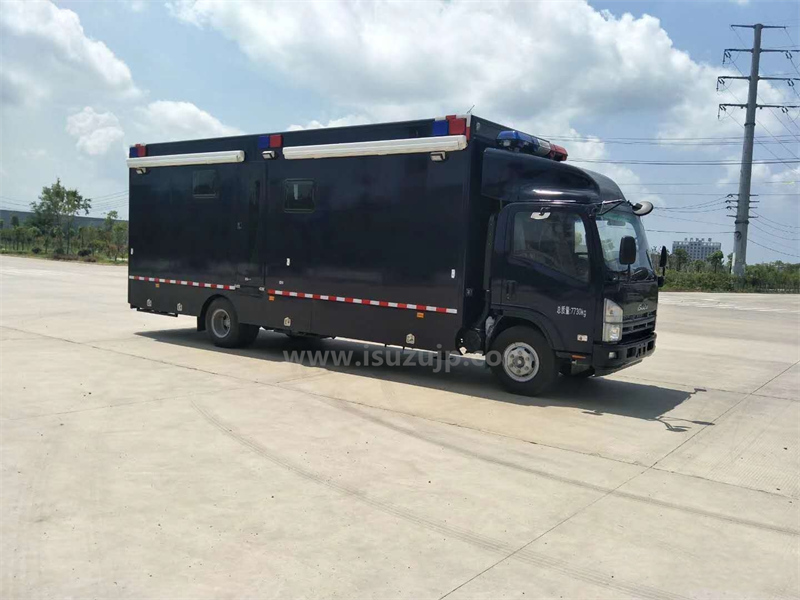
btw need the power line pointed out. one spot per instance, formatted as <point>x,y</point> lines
<point>680,163</point>
<point>702,207</point>
<point>710,183</point>
<point>775,234</point>
<point>760,216</point>
<point>773,250</point>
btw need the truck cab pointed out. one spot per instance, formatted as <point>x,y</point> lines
<point>572,286</point>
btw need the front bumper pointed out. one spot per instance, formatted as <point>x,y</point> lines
<point>626,354</point>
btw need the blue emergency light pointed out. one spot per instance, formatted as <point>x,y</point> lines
<point>518,141</point>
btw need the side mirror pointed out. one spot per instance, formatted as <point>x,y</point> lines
<point>627,250</point>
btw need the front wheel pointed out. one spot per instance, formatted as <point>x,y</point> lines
<point>524,361</point>
<point>223,327</point>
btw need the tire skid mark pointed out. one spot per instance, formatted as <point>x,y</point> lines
<point>486,543</point>
<point>347,406</point>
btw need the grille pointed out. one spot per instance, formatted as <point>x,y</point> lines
<point>635,327</point>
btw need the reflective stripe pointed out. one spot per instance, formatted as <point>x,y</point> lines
<point>218,286</point>
<point>364,302</point>
<point>346,300</point>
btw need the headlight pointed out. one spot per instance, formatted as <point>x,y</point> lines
<point>612,321</point>
<point>612,332</point>
<point>612,312</point>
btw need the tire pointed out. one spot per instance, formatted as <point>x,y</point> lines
<point>568,371</point>
<point>223,327</point>
<point>526,364</point>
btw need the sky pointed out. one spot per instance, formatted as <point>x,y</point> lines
<point>616,83</point>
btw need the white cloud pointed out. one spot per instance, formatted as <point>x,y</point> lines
<point>542,61</point>
<point>166,120</point>
<point>52,54</point>
<point>17,88</point>
<point>345,121</point>
<point>96,132</point>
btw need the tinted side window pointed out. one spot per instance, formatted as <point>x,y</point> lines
<point>204,183</point>
<point>555,240</point>
<point>298,195</point>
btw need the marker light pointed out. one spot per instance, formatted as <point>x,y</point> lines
<point>451,125</point>
<point>441,127</point>
<point>137,151</point>
<point>270,141</point>
<point>457,126</point>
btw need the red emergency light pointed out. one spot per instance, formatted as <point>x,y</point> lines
<point>137,151</point>
<point>558,153</point>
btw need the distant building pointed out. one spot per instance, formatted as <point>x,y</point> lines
<point>697,248</point>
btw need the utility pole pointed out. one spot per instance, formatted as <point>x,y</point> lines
<point>743,205</point>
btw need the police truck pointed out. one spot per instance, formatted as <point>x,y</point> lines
<point>451,234</point>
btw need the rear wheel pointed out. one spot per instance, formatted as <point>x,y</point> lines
<point>525,363</point>
<point>223,327</point>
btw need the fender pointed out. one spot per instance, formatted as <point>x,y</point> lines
<point>533,317</point>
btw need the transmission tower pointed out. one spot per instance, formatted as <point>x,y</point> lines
<point>743,205</point>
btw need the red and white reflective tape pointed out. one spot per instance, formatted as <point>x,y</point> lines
<point>348,300</point>
<point>216,286</point>
<point>345,299</point>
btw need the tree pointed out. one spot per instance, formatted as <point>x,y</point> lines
<point>699,266</point>
<point>14,221</point>
<point>681,258</point>
<point>119,239</point>
<point>715,260</point>
<point>729,264</point>
<point>58,207</point>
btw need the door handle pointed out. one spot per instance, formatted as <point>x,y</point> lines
<point>511,289</point>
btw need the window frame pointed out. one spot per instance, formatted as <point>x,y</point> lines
<point>511,256</point>
<point>287,183</point>
<point>215,194</point>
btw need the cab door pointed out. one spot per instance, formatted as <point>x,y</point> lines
<point>546,272</point>
<point>250,227</point>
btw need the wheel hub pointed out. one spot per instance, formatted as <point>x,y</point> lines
<point>221,323</point>
<point>520,361</point>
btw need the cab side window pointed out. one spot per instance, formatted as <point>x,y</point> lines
<point>554,240</point>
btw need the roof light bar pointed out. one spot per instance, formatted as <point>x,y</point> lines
<point>448,143</point>
<point>178,160</point>
<point>522,142</point>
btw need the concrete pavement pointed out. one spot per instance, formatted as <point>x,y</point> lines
<point>140,461</point>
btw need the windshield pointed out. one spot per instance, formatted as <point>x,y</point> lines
<point>612,227</point>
